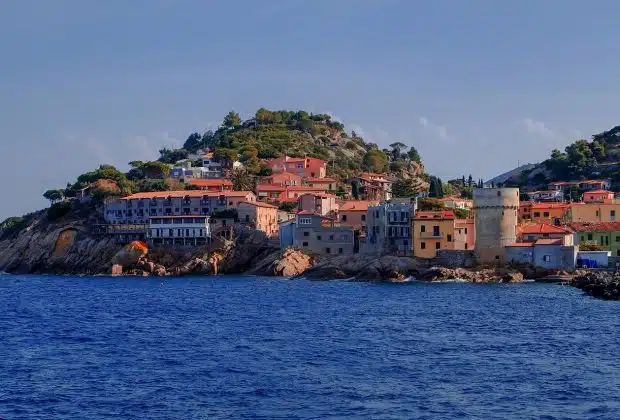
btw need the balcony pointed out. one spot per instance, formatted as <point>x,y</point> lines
<point>431,235</point>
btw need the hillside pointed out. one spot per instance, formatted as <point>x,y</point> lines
<point>268,134</point>
<point>598,158</point>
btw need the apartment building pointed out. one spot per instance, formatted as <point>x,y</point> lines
<point>318,235</point>
<point>193,230</point>
<point>389,228</point>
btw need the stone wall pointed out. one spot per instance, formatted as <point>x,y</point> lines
<point>454,258</point>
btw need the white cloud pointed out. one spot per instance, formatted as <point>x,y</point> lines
<point>439,131</point>
<point>538,128</point>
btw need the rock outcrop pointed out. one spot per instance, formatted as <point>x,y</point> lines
<point>64,246</point>
<point>599,284</point>
<point>289,263</point>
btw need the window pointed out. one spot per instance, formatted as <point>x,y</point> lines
<point>465,245</point>
<point>247,217</point>
<point>344,218</point>
<point>422,228</point>
<point>536,214</point>
<point>617,238</point>
<point>597,213</point>
<point>423,245</point>
<point>546,214</point>
<point>304,244</point>
<point>499,193</point>
<point>363,217</point>
<point>306,233</point>
<point>318,237</point>
<point>331,237</point>
<point>612,215</point>
<point>435,230</point>
<point>340,251</point>
<point>465,231</point>
<point>449,238</point>
<point>305,220</point>
<point>589,236</point>
<point>187,232</point>
<point>437,245</point>
<point>328,250</point>
<point>230,203</point>
<point>583,238</point>
<point>547,258</point>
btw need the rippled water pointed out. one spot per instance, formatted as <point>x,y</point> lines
<point>271,348</point>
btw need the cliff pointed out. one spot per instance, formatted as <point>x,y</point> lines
<point>62,246</point>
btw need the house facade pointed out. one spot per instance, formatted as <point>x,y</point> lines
<point>318,235</point>
<point>193,230</point>
<point>603,234</point>
<point>546,196</point>
<point>388,229</point>
<point>433,230</point>
<point>598,196</point>
<point>353,213</point>
<point>594,184</point>
<point>140,207</point>
<point>322,204</point>
<point>303,167</point>
<point>546,253</point>
<point>284,179</point>
<point>216,184</point>
<point>464,234</point>
<point>531,232</point>
<point>373,187</point>
<point>327,184</point>
<point>592,212</point>
<point>259,216</point>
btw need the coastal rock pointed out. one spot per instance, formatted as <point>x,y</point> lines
<point>599,284</point>
<point>290,263</point>
<point>130,254</point>
<point>117,270</point>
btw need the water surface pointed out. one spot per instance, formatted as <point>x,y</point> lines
<point>193,348</point>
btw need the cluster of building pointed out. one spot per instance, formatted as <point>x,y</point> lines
<point>500,228</point>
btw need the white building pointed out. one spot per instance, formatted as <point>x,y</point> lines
<point>389,228</point>
<point>179,230</point>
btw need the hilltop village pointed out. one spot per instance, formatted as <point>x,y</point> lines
<point>295,187</point>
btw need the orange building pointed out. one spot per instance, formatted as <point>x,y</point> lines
<point>592,212</point>
<point>464,234</point>
<point>259,216</point>
<point>548,212</point>
<point>432,231</point>
<point>531,232</point>
<point>328,184</point>
<point>353,213</point>
<point>283,179</point>
<point>525,210</point>
<point>305,167</point>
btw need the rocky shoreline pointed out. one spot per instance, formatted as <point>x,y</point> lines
<point>68,247</point>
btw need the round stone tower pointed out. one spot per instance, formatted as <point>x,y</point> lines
<point>496,214</point>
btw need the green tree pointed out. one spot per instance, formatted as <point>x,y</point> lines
<point>193,142</point>
<point>402,188</point>
<point>53,196</point>
<point>172,155</point>
<point>231,120</point>
<point>242,180</point>
<point>414,155</point>
<point>355,190</point>
<point>375,161</point>
<point>430,204</point>
<point>397,149</point>
<point>287,206</point>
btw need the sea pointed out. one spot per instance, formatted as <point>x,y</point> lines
<point>272,348</point>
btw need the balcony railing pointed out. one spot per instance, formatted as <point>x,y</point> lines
<point>431,235</point>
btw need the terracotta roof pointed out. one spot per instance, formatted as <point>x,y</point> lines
<point>599,192</point>
<point>258,204</point>
<point>183,193</point>
<point>319,194</point>
<point>211,182</point>
<point>549,206</point>
<point>549,241</point>
<point>304,188</point>
<point>434,215</point>
<point>521,244</point>
<point>304,212</point>
<point>540,228</point>
<point>326,180</point>
<point>357,205</point>
<point>270,187</point>
<point>595,226</point>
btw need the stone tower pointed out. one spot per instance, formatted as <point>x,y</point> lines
<point>496,214</point>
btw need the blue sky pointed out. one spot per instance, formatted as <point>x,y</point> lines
<point>477,86</point>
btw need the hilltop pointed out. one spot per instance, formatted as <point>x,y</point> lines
<point>598,158</point>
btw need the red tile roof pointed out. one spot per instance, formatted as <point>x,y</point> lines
<point>549,206</point>
<point>521,244</point>
<point>595,226</point>
<point>542,228</point>
<point>183,193</point>
<point>259,204</point>
<point>221,182</point>
<point>270,187</point>
<point>357,205</point>
<point>434,215</point>
<point>320,180</point>
<point>599,192</point>
<point>549,241</point>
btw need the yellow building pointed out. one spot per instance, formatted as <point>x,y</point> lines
<point>432,231</point>
<point>592,212</point>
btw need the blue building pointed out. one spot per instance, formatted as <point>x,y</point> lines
<point>287,233</point>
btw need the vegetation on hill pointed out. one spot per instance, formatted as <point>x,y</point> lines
<point>584,159</point>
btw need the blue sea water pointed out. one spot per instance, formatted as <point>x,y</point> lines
<point>233,347</point>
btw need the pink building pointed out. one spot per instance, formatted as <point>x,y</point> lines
<point>284,179</point>
<point>292,193</point>
<point>464,234</point>
<point>598,196</point>
<point>321,204</point>
<point>304,167</point>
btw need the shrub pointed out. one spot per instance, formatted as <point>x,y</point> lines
<point>59,210</point>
